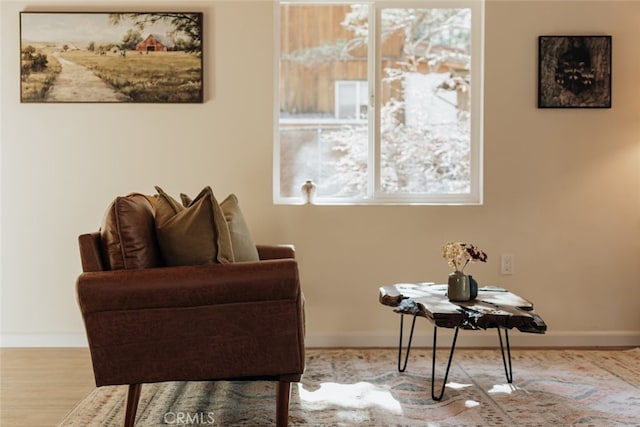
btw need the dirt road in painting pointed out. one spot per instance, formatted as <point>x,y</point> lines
<point>76,83</point>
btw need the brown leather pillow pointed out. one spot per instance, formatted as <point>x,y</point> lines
<point>128,234</point>
<point>192,235</point>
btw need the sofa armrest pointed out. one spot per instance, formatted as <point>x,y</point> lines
<point>208,322</point>
<point>267,252</point>
<point>188,286</point>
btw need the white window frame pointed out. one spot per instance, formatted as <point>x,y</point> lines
<point>375,195</point>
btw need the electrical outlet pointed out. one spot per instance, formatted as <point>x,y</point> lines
<point>506,264</point>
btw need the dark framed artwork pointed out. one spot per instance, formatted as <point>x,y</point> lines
<point>136,57</point>
<point>574,72</point>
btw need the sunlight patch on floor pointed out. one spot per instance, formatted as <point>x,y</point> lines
<point>503,388</point>
<point>471,404</point>
<point>359,395</point>
<point>457,386</point>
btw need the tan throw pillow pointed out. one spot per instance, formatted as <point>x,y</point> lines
<point>192,235</point>
<point>244,249</point>
<point>128,234</point>
<point>186,200</point>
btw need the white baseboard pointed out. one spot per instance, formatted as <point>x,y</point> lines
<point>43,340</point>
<point>370,339</point>
<point>486,338</point>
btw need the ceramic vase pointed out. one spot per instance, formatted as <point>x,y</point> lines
<point>473,288</point>
<point>308,191</point>
<point>459,288</point>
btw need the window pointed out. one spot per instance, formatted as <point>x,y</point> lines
<point>379,102</point>
<point>352,99</point>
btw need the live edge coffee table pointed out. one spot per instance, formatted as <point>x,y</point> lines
<point>493,308</point>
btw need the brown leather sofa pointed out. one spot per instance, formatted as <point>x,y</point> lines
<point>236,321</point>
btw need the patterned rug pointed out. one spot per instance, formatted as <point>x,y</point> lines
<point>363,387</point>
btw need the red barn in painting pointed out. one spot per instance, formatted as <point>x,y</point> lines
<point>151,44</point>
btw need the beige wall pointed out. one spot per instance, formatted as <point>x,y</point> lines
<point>562,187</point>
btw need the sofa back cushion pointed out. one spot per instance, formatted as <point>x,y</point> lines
<point>128,235</point>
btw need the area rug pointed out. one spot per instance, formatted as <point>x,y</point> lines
<point>363,387</point>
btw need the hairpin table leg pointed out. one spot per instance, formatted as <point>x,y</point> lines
<point>406,357</point>
<point>508,373</point>
<point>433,363</point>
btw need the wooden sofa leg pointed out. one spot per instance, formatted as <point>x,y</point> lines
<point>282,403</point>
<point>132,404</point>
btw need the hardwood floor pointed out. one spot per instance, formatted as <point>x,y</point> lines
<point>39,386</point>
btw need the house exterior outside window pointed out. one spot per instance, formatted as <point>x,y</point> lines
<point>352,99</point>
<point>379,102</point>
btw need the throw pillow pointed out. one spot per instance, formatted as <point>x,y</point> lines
<point>186,200</point>
<point>128,234</point>
<point>244,249</point>
<point>192,235</point>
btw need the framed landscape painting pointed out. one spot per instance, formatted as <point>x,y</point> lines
<point>574,72</point>
<point>138,57</point>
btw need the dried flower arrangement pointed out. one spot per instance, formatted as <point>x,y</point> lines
<point>459,254</point>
